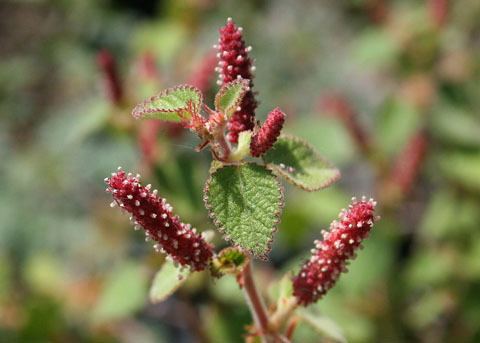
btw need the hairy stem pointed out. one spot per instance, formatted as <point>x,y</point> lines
<point>224,147</point>
<point>255,302</point>
<point>282,314</point>
<point>292,325</point>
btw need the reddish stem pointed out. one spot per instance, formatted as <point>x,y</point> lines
<point>255,302</point>
<point>292,325</point>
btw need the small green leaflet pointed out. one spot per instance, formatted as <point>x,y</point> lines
<point>243,146</point>
<point>300,164</point>
<point>122,295</point>
<point>230,96</point>
<point>325,326</point>
<point>281,291</point>
<point>245,202</point>
<point>173,104</point>
<point>166,281</point>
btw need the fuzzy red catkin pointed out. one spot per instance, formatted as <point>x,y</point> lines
<point>152,213</point>
<point>264,139</point>
<point>147,140</point>
<point>438,10</point>
<point>234,63</point>
<point>377,10</point>
<point>330,256</point>
<point>408,164</point>
<point>147,67</point>
<point>111,79</point>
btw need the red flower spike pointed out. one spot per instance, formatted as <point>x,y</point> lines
<point>264,139</point>
<point>330,256</point>
<point>377,10</point>
<point>182,243</point>
<point>147,140</point>
<point>147,67</point>
<point>438,10</point>
<point>111,79</point>
<point>234,63</point>
<point>408,164</point>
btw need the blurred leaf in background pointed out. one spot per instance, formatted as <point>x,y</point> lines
<point>72,270</point>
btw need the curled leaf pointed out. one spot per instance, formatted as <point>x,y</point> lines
<point>230,96</point>
<point>173,104</point>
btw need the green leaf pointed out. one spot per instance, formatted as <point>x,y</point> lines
<point>226,291</point>
<point>245,203</point>
<point>465,131</point>
<point>166,281</point>
<point>395,122</point>
<point>173,104</point>
<point>122,295</point>
<point>462,168</point>
<point>323,325</point>
<point>243,146</point>
<point>321,131</point>
<point>281,291</point>
<point>440,216</point>
<point>300,164</point>
<point>230,96</point>
<point>375,49</point>
<point>428,309</point>
<point>44,273</point>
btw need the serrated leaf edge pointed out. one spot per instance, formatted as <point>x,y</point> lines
<point>280,172</point>
<point>221,229</point>
<point>225,89</point>
<point>139,110</point>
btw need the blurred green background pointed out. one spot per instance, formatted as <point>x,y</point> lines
<point>405,72</point>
